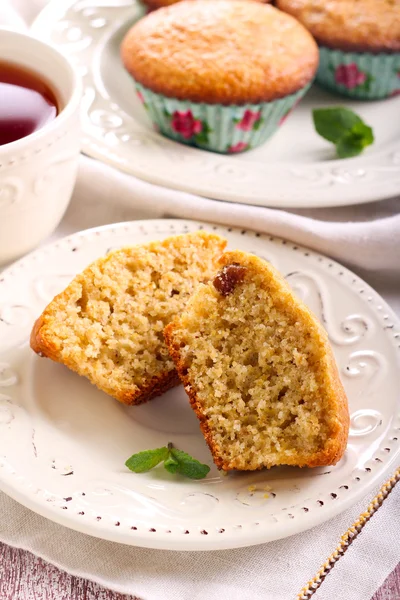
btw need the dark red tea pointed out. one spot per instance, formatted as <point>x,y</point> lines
<point>26,103</point>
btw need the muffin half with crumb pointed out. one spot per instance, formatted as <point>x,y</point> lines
<point>259,371</point>
<point>219,75</point>
<point>107,325</point>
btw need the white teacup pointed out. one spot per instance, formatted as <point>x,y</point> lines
<point>38,172</point>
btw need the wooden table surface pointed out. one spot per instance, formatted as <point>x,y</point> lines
<point>26,577</point>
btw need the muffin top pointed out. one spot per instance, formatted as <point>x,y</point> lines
<point>350,25</point>
<point>154,4</point>
<point>220,52</point>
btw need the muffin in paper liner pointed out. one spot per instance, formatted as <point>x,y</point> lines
<point>361,75</point>
<point>227,129</point>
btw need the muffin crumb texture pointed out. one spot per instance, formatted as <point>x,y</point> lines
<point>259,371</point>
<point>108,323</point>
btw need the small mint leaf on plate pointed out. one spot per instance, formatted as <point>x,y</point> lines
<point>333,123</point>
<point>189,466</point>
<point>348,147</point>
<point>363,132</point>
<point>171,465</point>
<point>146,460</point>
<point>175,461</point>
<point>344,128</point>
<point>354,142</point>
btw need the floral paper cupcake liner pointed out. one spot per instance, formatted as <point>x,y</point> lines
<point>215,127</point>
<point>360,74</point>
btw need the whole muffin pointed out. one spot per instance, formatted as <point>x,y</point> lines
<point>154,4</point>
<point>359,43</point>
<point>220,75</point>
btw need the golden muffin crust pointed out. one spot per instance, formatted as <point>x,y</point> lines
<point>220,52</point>
<point>350,25</point>
<point>154,4</point>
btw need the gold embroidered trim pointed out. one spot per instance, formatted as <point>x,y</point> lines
<point>309,590</point>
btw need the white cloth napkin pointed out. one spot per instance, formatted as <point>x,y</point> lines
<point>366,237</point>
<point>371,240</point>
<point>275,571</point>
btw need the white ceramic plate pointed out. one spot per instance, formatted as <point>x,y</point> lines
<point>63,443</point>
<point>296,168</point>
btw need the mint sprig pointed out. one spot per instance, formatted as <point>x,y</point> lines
<point>187,465</point>
<point>344,128</point>
<point>175,461</point>
<point>146,460</point>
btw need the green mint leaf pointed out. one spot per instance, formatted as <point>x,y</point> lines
<point>349,146</point>
<point>364,133</point>
<point>333,123</point>
<point>175,461</point>
<point>354,142</point>
<point>146,460</point>
<point>344,128</point>
<point>187,465</point>
<point>171,465</point>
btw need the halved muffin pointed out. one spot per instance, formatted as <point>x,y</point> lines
<point>108,323</point>
<point>259,371</point>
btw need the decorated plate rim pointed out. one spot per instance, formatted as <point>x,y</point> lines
<point>248,533</point>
